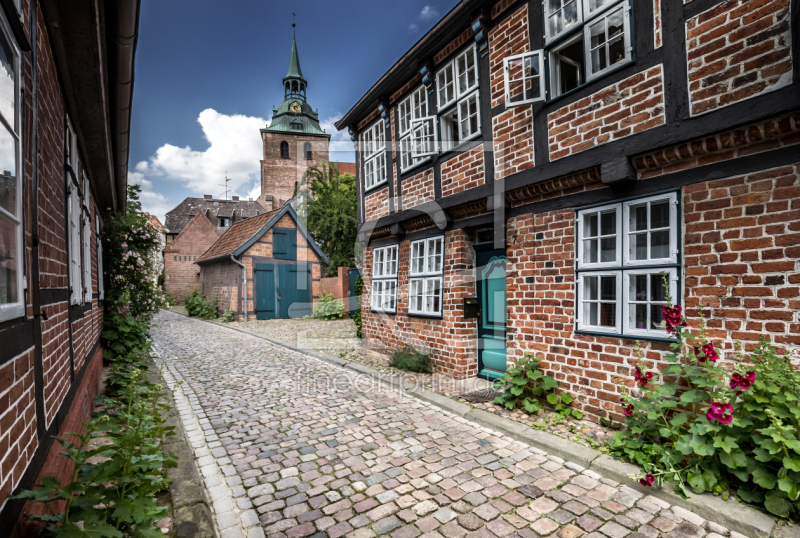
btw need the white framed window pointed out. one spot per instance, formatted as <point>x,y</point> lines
<point>224,222</point>
<point>651,230</point>
<point>100,287</point>
<point>426,274</point>
<point>384,279</point>
<point>12,298</point>
<point>524,78</point>
<point>416,129</point>
<point>373,145</point>
<point>459,103</point>
<point>584,40</point>
<point>423,138</point>
<point>624,251</point>
<point>73,214</point>
<point>646,292</point>
<point>600,237</point>
<point>607,41</point>
<point>87,243</point>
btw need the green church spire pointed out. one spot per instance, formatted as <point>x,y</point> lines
<point>294,61</point>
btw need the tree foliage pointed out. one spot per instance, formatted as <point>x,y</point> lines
<point>331,214</point>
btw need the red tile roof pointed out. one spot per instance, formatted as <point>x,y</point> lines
<point>237,235</point>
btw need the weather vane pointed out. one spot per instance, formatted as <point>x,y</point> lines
<point>293,16</point>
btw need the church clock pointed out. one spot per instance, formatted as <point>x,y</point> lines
<point>295,107</point>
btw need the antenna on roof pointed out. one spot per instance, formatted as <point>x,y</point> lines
<point>226,184</point>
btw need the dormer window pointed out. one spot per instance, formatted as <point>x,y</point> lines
<point>224,222</point>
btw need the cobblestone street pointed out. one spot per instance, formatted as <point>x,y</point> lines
<point>289,447</point>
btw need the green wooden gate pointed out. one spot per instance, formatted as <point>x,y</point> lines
<point>491,281</point>
<point>294,291</point>
<point>265,291</point>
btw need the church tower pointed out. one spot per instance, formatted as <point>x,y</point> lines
<point>292,141</point>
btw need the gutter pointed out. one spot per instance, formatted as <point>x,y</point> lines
<point>126,34</point>
<point>244,284</point>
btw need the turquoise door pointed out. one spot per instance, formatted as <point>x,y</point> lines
<point>265,290</point>
<point>491,284</point>
<point>294,291</point>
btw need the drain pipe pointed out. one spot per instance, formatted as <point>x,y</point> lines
<point>244,285</point>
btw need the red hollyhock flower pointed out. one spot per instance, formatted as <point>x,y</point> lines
<point>642,378</point>
<point>744,382</point>
<point>628,410</point>
<point>672,318</point>
<point>711,353</point>
<point>648,480</point>
<point>722,412</point>
<point>750,376</point>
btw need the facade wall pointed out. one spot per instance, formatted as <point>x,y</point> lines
<point>376,204</point>
<point>451,339</point>
<point>463,172</point>
<point>736,50</point>
<point>278,175</point>
<point>182,275</point>
<point>507,38</point>
<point>619,110</point>
<point>220,283</point>
<point>338,286</point>
<point>70,347</point>
<point>418,189</point>
<point>513,141</point>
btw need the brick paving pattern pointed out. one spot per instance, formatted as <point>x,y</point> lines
<point>289,447</point>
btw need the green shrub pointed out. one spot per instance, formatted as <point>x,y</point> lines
<point>525,385</point>
<point>124,333</point>
<point>198,305</point>
<point>328,307</point>
<point>115,497</point>
<point>411,360</point>
<point>228,316</point>
<point>712,428</point>
<point>356,314</point>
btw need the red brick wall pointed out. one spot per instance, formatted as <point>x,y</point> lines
<point>462,39</point>
<point>741,262</point>
<point>628,107</point>
<point>376,204</point>
<point>507,38</point>
<point>451,341</point>
<point>513,141</point>
<point>17,420</point>
<point>736,50</point>
<point>657,39</point>
<point>338,285</point>
<point>418,189</point>
<point>743,255</point>
<point>774,133</point>
<point>220,282</point>
<point>463,172</point>
<point>182,274</point>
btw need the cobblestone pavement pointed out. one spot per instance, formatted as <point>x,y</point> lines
<point>290,446</point>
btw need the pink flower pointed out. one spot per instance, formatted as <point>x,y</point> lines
<point>628,410</point>
<point>642,378</point>
<point>750,376</point>
<point>648,480</point>
<point>722,412</point>
<point>672,318</point>
<point>708,351</point>
<point>744,382</point>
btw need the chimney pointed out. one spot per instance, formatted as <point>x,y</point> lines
<point>206,197</point>
<point>235,198</point>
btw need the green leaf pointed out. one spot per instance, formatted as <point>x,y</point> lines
<point>764,477</point>
<point>517,391</point>
<point>777,503</point>
<point>790,487</point>
<point>679,419</point>
<point>727,444</point>
<point>530,405</point>
<point>566,398</point>
<point>97,530</point>
<point>735,459</point>
<point>700,447</point>
<point>750,496</point>
<point>792,464</point>
<point>552,399</point>
<point>577,414</point>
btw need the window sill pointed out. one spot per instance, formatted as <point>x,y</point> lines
<point>460,148</point>
<point>414,169</point>
<point>588,83</point>
<point>392,312</point>
<point>377,187</point>
<point>427,316</point>
<point>625,336</point>
<point>668,265</point>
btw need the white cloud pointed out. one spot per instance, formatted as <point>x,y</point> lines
<point>341,147</point>
<point>234,149</point>
<point>429,13</point>
<point>412,28</point>
<point>153,202</point>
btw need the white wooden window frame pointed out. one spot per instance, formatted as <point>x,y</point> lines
<point>549,35</point>
<point>373,145</point>
<point>430,276</point>
<point>459,95</point>
<point>580,222</point>
<point>626,39</point>
<point>15,309</point>
<point>672,199</point>
<point>73,217</point>
<point>100,286</point>
<point>541,76</point>
<point>555,59</point>
<point>411,110</point>
<point>423,137</point>
<point>582,324</point>
<point>627,314</point>
<point>385,263</point>
<point>88,288</point>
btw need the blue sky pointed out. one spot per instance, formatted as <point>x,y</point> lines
<point>209,72</point>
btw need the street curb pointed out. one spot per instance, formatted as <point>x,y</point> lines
<point>731,514</point>
<point>191,508</point>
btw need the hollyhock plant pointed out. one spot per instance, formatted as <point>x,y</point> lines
<point>724,423</point>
